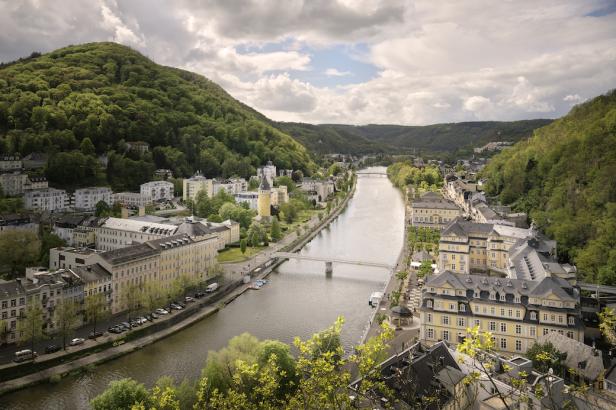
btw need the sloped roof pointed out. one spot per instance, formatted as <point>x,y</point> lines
<point>580,357</point>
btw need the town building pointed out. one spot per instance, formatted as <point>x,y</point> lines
<point>193,185</point>
<point>131,199</point>
<point>67,257</point>
<point>157,190</point>
<point>433,211</point>
<point>24,222</point>
<point>268,172</point>
<point>138,146</point>
<point>10,163</point>
<point>232,186</point>
<point>12,305</point>
<point>279,195</point>
<point>163,174</point>
<point>515,311</point>
<point>96,280</point>
<point>322,189</point>
<point>249,197</point>
<point>49,200</point>
<point>264,199</point>
<point>12,183</point>
<point>117,233</point>
<point>85,199</point>
<point>65,225</point>
<point>36,183</point>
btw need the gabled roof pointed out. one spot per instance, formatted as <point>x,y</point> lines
<point>580,357</point>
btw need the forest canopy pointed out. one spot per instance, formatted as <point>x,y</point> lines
<point>109,94</point>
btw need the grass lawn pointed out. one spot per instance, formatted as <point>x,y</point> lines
<point>303,217</point>
<point>230,255</point>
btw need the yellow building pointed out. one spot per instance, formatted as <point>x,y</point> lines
<point>432,210</point>
<point>515,311</point>
<point>192,186</point>
<point>264,200</point>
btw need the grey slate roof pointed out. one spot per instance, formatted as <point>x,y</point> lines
<point>462,227</point>
<point>264,186</point>
<point>580,357</point>
<point>133,252</point>
<point>92,273</point>
<point>10,289</point>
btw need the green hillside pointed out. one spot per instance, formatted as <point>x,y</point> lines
<point>79,102</point>
<point>565,177</point>
<point>334,138</point>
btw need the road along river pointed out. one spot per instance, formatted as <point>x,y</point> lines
<point>299,300</point>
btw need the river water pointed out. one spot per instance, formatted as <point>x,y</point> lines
<point>299,301</point>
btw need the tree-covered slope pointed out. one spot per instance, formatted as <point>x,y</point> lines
<point>109,94</point>
<point>565,177</point>
<point>353,139</point>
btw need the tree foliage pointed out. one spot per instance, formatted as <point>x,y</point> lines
<point>564,178</point>
<point>82,101</point>
<point>18,249</point>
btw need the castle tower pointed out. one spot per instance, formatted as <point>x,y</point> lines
<point>264,199</point>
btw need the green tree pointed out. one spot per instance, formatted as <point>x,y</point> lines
<point>243,245</point>
<point>286,181</point>
<point>4,331</point>
<point>289,212</point>
<point>131,296</point>
<point>122,395</point>
<point>49,240</point>
<point>30,324</point>
<point>18,249</point>
<point>275,232</point>
<point>256,234</point>
<point>96,309</point>
<point>425,269</point>
<point>102,209</point>
<point>86,147</point>
<point>546,356</point>
<point>66,319</point>
<point>153,296</point>
<point>607,325</point>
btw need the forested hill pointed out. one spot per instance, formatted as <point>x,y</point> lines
<point>565,177</point>
<point>330,138</point>
<point>80,102</point>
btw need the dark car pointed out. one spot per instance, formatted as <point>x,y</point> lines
<point>126,325</point>
<point>199,295</point>
<point>94,335</point>
<point>115,329</point>
<point>52,349</point>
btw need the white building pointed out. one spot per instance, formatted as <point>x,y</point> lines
<point>268,171</point>
<point>49,199</point>
<point>116,233</point>
<point>232,186</point>
<point>12,183</point>
<point>192,186</point>
<point>131,199</point>
<point>157,190</point>
<point>250,197</point>
<point>87,198</point>
<point>322,189</point>
<point>10,163</point>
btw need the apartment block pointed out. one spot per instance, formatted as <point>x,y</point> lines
<point>192,186</point>
<point>49,199</point>
<point>157,190</point>
<point>85,199</point>
<point>433,211</point>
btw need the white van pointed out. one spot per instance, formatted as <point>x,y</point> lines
<point>211,288</point>
<point>375,299</point>
<point>24,355</point>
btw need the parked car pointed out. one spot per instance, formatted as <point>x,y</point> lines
<point>94,335</point>
<point>116,329</point>
<point>180,304</point>
<point>188,299</point>
<point>142,320</point>
<point>52,349</point>
<point>211,287</point>
<point>77,341</point>
<point>126,325</point>
<point>24,355</point>
<point>162,311</point>
<point>199,295</point>
<point>175,306</point>
<point>135,322</point>
<point>154,315</point>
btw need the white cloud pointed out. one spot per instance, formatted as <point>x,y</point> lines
<point>333,72</point>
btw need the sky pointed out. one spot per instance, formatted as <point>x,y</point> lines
<point>353,61</point>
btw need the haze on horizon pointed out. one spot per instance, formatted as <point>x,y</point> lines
<point>353,61</point>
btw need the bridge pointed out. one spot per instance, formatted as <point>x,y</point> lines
<point>330,261</point>
<point>592,287</point>
<point>372,173</point>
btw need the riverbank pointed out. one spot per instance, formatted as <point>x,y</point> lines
<point>113,350</point>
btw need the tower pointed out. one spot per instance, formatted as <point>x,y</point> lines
<point>264,199</point>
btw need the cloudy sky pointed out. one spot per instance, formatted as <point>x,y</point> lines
<point>353,61</point>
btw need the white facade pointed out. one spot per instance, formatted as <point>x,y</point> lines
<point>323,189</point>
<point>131,199</point>
<point>268,171</point>
<point>13,183</point>
<point>87,198</point>
<point>250,197</point>
<point>116,233</point>
<point>49,199</point>
<point>10,163</point>
<point>232,186</point>
<point>157,190</point>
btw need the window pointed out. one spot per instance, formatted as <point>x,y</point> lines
<point>445,320</point>
<point>502,312</point>
<point>532,331</point>
<point>571,320</point>
<point>560,318</point>
<point>517,314</point>
<point>545,317</point>
<point>545,331</point>
<point>516,299</point>
<point>518,345</point>
<point>553,318</point>
<point>510,313</point>
<point>502,298</point>
<point>430,333</point>
<point>492,326</point>
<point>570,334</point>
<point>503,343</point>
<point>451,306</point>
<point>429,303</point>
<point>461,322</point>
<point>492,311</point>
<point>429,317</point>
<point>503,327</point>
<point>533,316</point>
<point>478,323</point>
<point>518,329</point>
<point>462,308</point>
<point>445,334</point>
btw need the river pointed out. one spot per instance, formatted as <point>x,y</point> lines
<point>299,301</point>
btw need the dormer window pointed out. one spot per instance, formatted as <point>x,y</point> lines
<point>517,299</point>
<point>571,320</point>
<point>476,294</point>
<point>429,303</point>
<point>492,296</point>
<point>533,315</point>
<point>502,298</point>
<point>462,308</point>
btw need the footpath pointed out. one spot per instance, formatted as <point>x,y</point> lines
<point>120,346</point>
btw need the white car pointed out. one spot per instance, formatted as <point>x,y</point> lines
<point>77,341</point>
<point>161,311</point>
